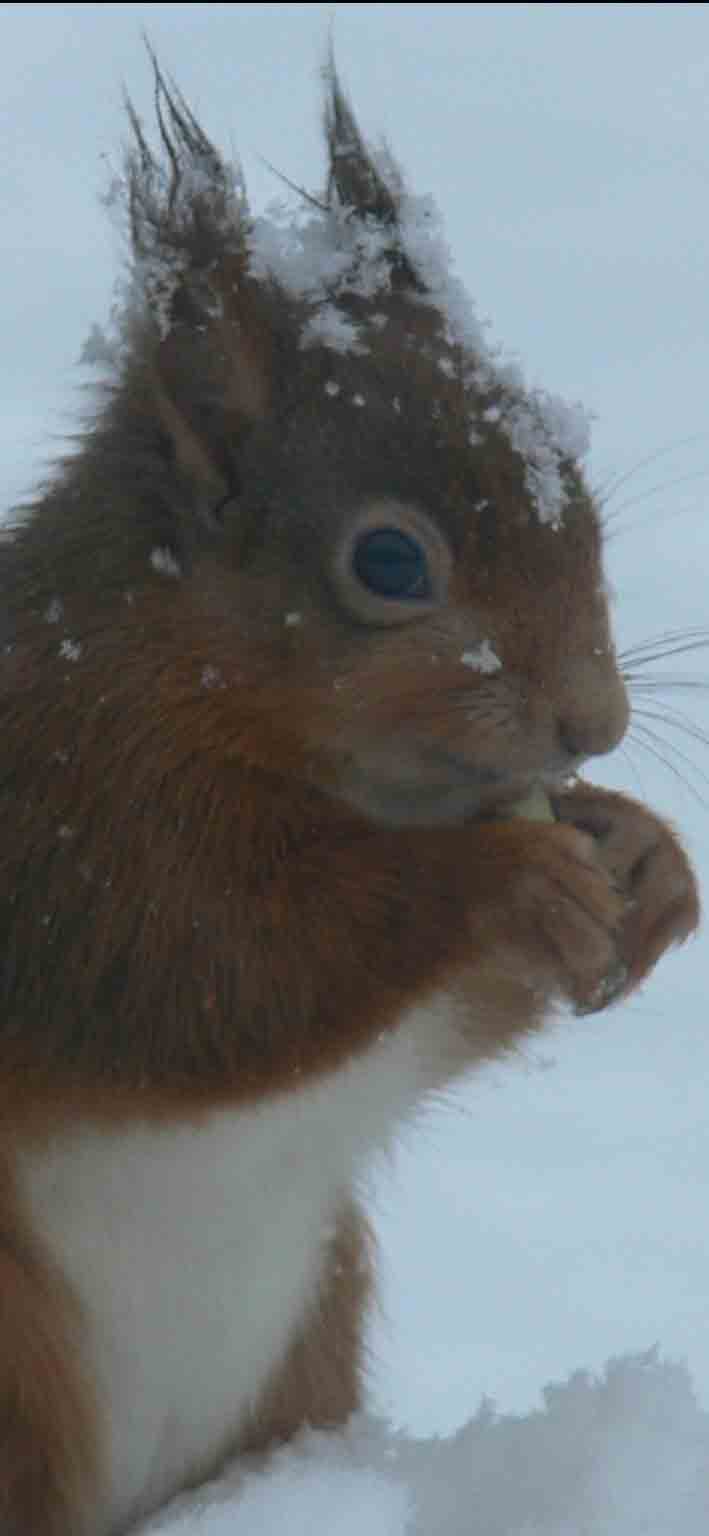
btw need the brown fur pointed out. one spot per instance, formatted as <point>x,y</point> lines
<point>320,1381</point>
<point>210,892</point>
<point>49,1456</point>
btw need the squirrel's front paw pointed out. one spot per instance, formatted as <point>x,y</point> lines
<point>555,906</point>
<point>649,868</point>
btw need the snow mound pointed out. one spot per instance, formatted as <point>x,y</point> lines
<point>626,1454</point>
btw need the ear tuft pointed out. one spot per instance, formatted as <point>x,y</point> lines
<point>370,188</point>
<point>354,180</point>
<point>201,327</point>
<point>187,209</point>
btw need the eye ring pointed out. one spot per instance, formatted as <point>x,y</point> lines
<point>391,564</point>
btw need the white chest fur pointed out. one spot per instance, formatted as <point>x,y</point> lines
<point>196,1250</point>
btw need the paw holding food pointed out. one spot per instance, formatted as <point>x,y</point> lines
<point>647,866</point>
<point>553,900</point>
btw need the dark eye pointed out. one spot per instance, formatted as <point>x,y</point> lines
<point>392,564</point>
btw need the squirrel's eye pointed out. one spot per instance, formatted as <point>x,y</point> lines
<point>390,563</point>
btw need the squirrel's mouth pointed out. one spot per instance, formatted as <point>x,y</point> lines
<point>452,794</point>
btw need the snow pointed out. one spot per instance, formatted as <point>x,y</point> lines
<point>324,1483</point>
<point>482,659</point>
<point>163,561</point>
<point>544,431</point>
<point>70,650</point>
<point>622,1454</point>
<point>322,253</point>
<point>329,328</point>
<point>205,182</point>
<point>212,678</point>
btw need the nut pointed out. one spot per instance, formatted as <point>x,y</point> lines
<point>534,806</point>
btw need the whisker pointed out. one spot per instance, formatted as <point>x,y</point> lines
<point>673,757</point>
<point>604,493</point>
<point>671,634</point>
<point>649,685</point>
<point>677,722</point>
<point>624,752</point>
<point>654,490</point>
<point>678,642</point>
<point>647,740</point>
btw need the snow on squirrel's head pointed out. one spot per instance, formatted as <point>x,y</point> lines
<point>342,307</point>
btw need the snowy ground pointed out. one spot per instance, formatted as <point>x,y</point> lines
<point>623,1455</point>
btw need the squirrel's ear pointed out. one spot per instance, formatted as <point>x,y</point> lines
<point>353,178</point>
<point>208,345</point>
<point>368,186</point>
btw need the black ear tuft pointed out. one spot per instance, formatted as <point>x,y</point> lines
<point>358,183</point>
<point>353,179</point>
<point>186,207</point>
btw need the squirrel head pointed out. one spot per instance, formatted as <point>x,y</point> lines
<point>318,525</point>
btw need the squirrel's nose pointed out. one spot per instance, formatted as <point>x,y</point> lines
<point>597,718</point>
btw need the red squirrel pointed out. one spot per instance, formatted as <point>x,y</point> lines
<point>288,645</point>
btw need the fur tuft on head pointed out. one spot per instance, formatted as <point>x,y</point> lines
<point>354,180</point>
<point>186,208</point>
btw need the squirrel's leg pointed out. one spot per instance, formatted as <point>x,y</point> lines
<point>48,1450</point>
<point>320,1382</point>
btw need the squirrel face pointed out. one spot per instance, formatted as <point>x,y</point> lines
<point>437,644</point>
<point>440,640</point>
<point>441,644</point>
<point>317,533</point>
<point>360,549</point>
